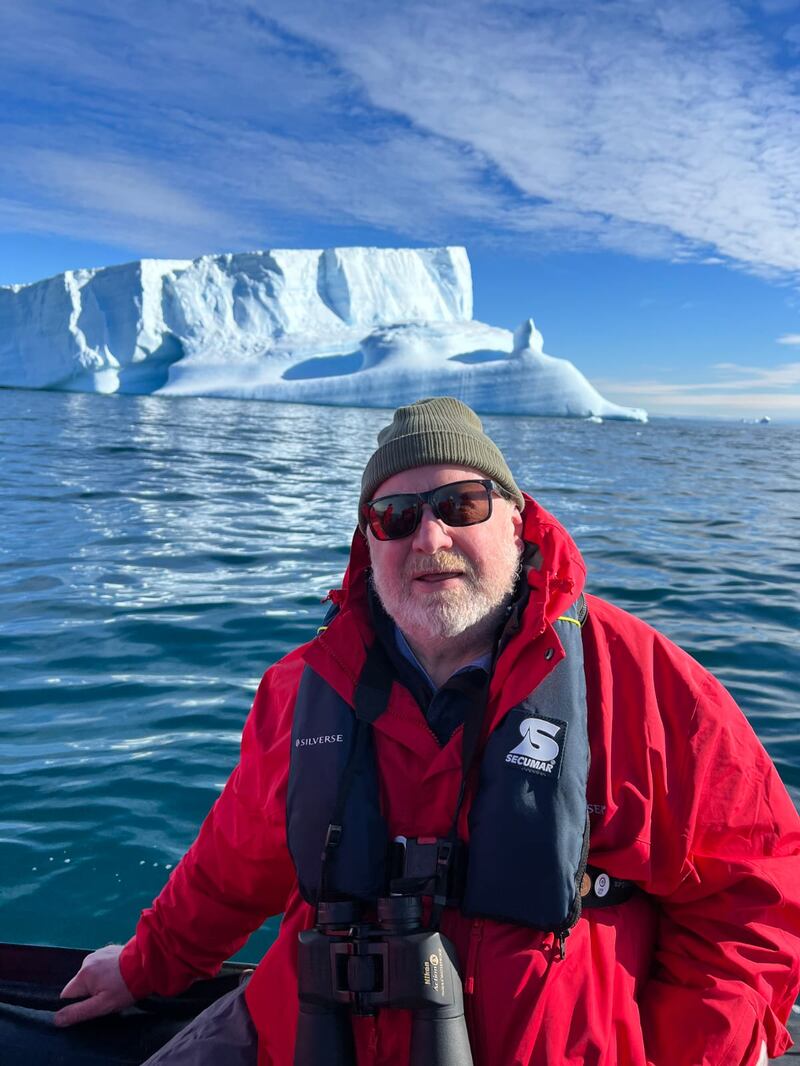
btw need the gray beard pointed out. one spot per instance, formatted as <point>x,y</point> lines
<point>470,614</point>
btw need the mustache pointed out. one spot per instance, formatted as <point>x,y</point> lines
<point>441,561</point>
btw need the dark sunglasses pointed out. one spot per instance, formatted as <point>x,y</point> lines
<point>462,503</point>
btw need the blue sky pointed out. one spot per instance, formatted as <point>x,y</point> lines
<point>625,172</point>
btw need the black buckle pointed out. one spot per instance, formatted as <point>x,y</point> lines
<point>333,836</point>
<point>332,839</point>
<point>418,866</point>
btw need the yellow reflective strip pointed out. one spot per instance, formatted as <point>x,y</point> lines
<point>564,618</point>
<point>321,630</point>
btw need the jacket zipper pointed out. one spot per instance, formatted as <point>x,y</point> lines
<point>470,974</point>
<point>476,933</point>
<point>372,1043</point>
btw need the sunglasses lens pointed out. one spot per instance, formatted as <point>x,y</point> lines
<point>394,517</point>
<point>462,505</point>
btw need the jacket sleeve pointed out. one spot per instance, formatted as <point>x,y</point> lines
<point>727,961</point>
<point>236,873</point>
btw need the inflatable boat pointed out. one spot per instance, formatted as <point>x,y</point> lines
<point>32,977</point>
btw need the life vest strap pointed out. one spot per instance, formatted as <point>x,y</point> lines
<point>599,889</point>
<point>414,865</point>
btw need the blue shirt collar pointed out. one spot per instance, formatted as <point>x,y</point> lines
<point>483,662</point>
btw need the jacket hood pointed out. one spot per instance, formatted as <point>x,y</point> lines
<point>558,574</point>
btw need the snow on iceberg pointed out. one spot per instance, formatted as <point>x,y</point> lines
<point>370,327</point>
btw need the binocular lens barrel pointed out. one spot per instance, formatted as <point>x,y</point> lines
<point>400,914</point>
<point>347,966</point>
<point>437,1041</point>
<point>324,1035</point>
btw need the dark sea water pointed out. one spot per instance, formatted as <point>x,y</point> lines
<point>157,555</point>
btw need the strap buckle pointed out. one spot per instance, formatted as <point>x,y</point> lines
<point>332,839</point>
<point>428,866</point>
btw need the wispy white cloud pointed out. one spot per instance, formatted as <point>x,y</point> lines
<point>737,390</point>
<point>111,184</point>
<point>218,130</point>
<point>670,118</point>
<point>660,400</point>
<point>116,198</point>
<point>789,338</point>
<point>737,379</point>
<point>669,131</point>
<point>755,377</point>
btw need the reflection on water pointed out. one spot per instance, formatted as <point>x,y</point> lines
<point>156,555</point>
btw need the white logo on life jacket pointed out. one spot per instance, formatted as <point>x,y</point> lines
<point>537,751</point>
<point>308,742</point>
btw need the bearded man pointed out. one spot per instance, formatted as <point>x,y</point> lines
<point>594,831</point>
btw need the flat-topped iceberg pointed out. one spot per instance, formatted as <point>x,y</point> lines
<point>369,327</point>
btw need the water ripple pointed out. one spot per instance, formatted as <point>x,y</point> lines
<point>156,556</point>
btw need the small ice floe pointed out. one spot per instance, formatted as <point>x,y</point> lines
<point>595,418</point>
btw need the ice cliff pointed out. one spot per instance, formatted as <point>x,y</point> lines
<point>370,327</point>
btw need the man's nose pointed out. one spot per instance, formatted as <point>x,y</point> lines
<point>431,535</point>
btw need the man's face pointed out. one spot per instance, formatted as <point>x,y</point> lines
<point>444,581</point>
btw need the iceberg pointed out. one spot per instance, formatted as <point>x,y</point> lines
<point>368,327</point>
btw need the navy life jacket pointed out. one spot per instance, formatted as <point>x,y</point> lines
<point>528,822</point>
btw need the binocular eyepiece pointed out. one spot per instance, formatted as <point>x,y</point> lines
<point>348,966</point>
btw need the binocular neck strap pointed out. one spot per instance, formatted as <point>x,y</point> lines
<point>371,700</point>
<point>374,685</point>
<point>476,688</point>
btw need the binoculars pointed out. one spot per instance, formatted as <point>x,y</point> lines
<point>349,966</point>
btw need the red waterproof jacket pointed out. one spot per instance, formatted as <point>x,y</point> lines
<point>698,969</point>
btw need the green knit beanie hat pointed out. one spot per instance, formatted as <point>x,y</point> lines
<point>438,430</point>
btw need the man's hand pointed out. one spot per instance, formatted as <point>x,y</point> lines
<point>100,979</point>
